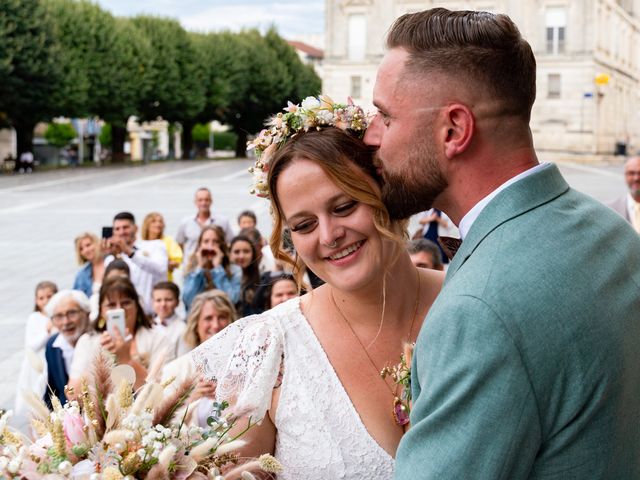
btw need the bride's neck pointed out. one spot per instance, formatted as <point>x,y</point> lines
<point>394,292</point>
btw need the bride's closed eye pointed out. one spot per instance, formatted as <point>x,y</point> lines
<point>345,208</point>
<point>341,210</point>
<point>303,226</point>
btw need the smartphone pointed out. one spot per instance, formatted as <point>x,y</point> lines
<point>115,318</point>
<point>107,232</point>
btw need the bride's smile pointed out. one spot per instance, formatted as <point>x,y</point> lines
<point>348,251</point>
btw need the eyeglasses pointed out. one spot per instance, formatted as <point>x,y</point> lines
<point>70,314</point>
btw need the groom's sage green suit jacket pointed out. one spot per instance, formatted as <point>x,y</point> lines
<point>528,364</point>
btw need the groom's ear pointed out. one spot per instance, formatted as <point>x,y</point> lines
<point>460,124</point>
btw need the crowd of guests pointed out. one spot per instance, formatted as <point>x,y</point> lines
<point>129,274</point>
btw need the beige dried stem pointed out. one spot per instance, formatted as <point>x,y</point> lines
<point>155,369</point>
<point>103,387</point>
<point>113,412</point>
<point>38,408</point>
<point>167,409</point>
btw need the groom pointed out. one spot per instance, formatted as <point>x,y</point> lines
<point>527,364</point>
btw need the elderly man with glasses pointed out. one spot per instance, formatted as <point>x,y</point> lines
<point>69,313</point>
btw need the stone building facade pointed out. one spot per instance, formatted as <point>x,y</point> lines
<point>588,55</point>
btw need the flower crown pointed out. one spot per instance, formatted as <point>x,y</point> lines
<point>313,112</point>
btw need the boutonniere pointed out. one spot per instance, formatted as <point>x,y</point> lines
<point>401,376</point>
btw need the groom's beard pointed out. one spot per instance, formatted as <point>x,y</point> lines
<point>414,188</point>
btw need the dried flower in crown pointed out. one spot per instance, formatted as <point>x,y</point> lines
<point>313,112</point>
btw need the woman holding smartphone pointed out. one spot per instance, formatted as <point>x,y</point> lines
<point>209,267</point>
<point>139,345</point>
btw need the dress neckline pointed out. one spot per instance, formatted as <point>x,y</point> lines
<point>299,315</point>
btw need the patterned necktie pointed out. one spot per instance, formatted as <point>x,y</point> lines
<point>636,220</point>
<point>450,246</point>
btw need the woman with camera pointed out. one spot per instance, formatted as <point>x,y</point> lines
<point>124,330</point>
<point>209,267</point>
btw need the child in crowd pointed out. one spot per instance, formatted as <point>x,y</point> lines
<point>38,330</point>
<point>166,298</point>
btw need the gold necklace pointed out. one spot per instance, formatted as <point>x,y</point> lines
<point>400,408</point>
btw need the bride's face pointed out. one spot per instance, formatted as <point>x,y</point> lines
<point>320,214</point>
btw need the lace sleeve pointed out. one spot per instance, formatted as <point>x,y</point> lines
<point>244,359</point>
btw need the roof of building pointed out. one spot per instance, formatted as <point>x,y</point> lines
<point>306,48</point>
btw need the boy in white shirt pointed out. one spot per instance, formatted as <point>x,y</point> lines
<point>165,300</point>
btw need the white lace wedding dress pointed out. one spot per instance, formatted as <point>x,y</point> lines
<point>319,432</point>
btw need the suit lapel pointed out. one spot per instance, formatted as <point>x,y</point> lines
<point>524,195</point>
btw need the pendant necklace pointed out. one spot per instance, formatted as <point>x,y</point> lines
<point>400,410</point>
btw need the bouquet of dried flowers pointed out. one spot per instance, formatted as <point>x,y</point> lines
<point>108,433</point>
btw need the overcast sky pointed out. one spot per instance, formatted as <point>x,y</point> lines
<point>292,18</point>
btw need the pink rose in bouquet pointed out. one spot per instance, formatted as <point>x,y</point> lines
<point>73,425</point>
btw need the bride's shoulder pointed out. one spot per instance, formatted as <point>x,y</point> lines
<point>263,334</point>
<point>276,319</point>
<point>245,358</point>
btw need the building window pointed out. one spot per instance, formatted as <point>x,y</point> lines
<point>356,87</point>
<point>556,25</point>
<point>553,85</point>
<point>357,31</point>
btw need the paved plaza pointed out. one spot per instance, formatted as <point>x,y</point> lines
<point>40,215</point>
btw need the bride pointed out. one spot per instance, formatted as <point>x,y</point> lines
<point>309,370</point>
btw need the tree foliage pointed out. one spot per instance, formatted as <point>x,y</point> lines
<point>72,58</point>
<point>177,82</point>
<point>59,134</point>
<point>29,71</point>
<point>268,73</point>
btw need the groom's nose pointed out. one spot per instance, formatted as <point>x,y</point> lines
<point>373,134</point>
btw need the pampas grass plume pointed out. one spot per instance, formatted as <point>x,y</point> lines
<point>202,450</point>
<point>34,360</point>
<point>230,447</point>
<point>166,455</point>
<point>37,406</point>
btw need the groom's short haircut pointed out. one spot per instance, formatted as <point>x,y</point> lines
<point>481,49</point>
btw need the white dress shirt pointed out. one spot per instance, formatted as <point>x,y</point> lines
<point>67,350</point>
<point>474,213</point>
<point>174,328</point>
<point>147,266</point>
<point>631,209</point>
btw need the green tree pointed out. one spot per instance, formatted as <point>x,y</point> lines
<point>265,72</point>
<point>106,62</point>
<point>29,68</point>
<point>59,134</point>
<point>178,91</point>
<point>200,133</point>
<point>301,79</point>
<point>105,135</point>
<point>125,79</point>
<point>260,84</point>
<point>216,59</point>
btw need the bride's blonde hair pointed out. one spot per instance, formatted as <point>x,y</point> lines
<point>348,162</point>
